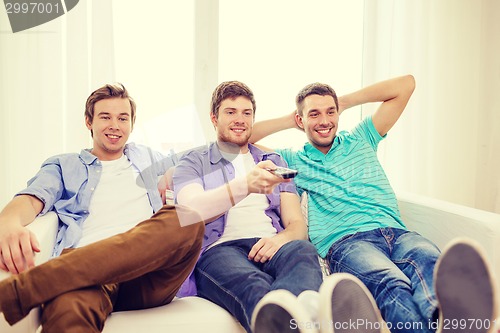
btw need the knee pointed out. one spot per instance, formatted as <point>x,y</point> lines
<point>178,216</point>
<point>300,250</point>
<point>303,247</point>
<point>392,282</point>
<point>190,222</point>
<point>182,221</point>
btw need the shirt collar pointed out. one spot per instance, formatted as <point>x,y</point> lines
<point>88,158</point>
<point>215,154</point>
<point>315,154</point>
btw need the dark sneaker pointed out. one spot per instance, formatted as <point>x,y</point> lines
<point>465,289</point>
<point>346,306</point>
<point>280,312</point>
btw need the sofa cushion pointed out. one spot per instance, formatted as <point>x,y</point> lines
<point>188,314</point>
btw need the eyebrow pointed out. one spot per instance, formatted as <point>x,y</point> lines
<point>333,107</point>
<point>234,109</point>
<point>107,113</point>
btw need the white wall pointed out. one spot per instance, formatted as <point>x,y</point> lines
<point>278,47</point>
<point>154,57</point>
<point>446,145</point>
<point>44,71</point>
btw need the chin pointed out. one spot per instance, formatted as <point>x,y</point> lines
<point>323,142</point>
<point>239,141</point>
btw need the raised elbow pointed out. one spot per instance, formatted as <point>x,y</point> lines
<point>409,83</point>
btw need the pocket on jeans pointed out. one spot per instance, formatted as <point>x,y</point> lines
<point>333,264</point>
<point>339,243</point>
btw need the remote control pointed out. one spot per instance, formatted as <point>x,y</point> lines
<point>285,172</point>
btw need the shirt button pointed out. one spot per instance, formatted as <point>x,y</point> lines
<point>91,188</point>
<point>98,171</point>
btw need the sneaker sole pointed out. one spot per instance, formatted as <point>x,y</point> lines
<point>344,299</point>
<point>465,289</point>
<point>280,312</point>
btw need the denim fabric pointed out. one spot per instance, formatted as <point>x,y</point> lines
<point>226,276</point>
<point>397,266</point>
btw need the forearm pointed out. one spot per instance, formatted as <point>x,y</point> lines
<point>399,87</point>
<point>23,209</point>
<point>296,230</point>
<point>213,203</point>
<point>265,128</point>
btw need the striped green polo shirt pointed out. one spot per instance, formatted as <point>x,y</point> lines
<point>348,190</point>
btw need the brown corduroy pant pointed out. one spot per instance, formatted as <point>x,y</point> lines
<point>141,268</point>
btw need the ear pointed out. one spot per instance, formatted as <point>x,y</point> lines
<point>88,123</point>
<point>213,119</point>
<point>298,121</point>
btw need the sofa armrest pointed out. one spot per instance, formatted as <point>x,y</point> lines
<point>45,230</point>
<point>441,221</point>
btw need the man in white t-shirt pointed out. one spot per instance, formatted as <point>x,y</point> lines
<point>116,255</point>
<point>255,255</point>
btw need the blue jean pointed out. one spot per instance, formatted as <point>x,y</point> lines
<point>397,266</point>
<point>225,275</point>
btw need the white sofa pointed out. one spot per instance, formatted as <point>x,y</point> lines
<point>438,220</point>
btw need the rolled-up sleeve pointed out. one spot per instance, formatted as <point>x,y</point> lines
<point>187,172</point>
<point>47,185</point>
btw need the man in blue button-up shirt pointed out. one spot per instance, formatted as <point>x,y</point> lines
<point>100,196</point>
<point>255,238</point>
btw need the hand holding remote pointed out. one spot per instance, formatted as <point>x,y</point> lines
<point>285,173</point>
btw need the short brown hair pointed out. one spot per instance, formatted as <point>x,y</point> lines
<point>314,89</point>
<point>117,90</point>
<point>230,89</point>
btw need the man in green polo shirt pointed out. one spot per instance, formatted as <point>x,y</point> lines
<point>354,220</point>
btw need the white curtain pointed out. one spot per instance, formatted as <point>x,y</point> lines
<point>46,75</point>
<point>447,143</point>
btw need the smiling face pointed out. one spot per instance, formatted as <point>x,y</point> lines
<point>319,120</point>
<point>111,127</point>
<point>234,122</point>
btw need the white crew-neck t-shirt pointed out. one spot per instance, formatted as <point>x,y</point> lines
<point>119,202</point>
<point>246,219</point>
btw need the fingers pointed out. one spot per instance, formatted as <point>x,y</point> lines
<point>17,254</point>
<point>267,164</point>
<point>161,189</point>
<point>260,180</point>
<point>28,249</point>
<point>2,266</point>
<point>35,245</point>
<point>263,250</point>
<point>163,197</point>
<point>8,258</point>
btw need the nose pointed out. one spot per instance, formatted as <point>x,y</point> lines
<point>239,118</point>
<point>113,124</point>
<point>324,119</point>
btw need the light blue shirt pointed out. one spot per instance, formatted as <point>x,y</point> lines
<point>347,188</point>
<point>65,184</point>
